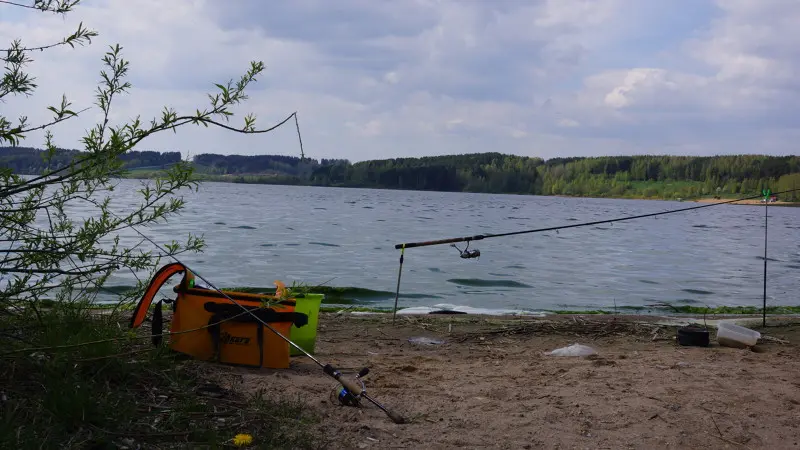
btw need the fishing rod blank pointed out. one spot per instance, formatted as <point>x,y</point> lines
<point>562,227</point>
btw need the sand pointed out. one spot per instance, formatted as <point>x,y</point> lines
<point>491,385</point>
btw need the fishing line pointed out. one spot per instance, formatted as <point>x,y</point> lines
<point>479,237</point>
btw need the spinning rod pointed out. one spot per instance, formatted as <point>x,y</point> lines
<point>352,391</point>
<point>468,254</point>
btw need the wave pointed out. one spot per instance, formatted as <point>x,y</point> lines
<point>343,294</point>
<point>478,282</point>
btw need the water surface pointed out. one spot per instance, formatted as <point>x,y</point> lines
<point>256,234</point>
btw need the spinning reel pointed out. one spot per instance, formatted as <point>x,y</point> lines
<point>467,253</point>
<point>350,393</point>
<point>347,398</point>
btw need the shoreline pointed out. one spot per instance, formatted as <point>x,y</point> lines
<point>232,179</point>
<point>659,311</point>
<point>751,202</point>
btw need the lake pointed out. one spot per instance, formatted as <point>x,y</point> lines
<point>256,234</point>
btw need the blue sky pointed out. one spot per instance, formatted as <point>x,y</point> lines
<point>379,78</point>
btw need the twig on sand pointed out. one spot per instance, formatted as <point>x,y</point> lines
<point>720,436</point>
<point>728,440</point>
<point>715,424</point>
<point>774,339</point>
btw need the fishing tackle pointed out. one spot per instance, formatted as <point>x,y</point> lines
<point>355,390</point>
<point>467,253</point>
<point>347,398</point>
<point>351,393</point>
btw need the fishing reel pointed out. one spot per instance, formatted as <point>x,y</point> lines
<point>348,398</point>
<point>467,253</point>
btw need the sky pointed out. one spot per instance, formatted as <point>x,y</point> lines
<point>374,79</point>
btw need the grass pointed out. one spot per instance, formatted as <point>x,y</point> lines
<point>125,392</point>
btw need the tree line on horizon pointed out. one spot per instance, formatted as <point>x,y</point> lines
<point>640,176</point>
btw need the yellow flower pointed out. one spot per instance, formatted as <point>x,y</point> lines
<point>241,440</point>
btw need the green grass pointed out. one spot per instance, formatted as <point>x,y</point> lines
<point>110,394</point>
<point>587,311</point>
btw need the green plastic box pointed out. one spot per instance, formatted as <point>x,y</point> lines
<point>306,336</point>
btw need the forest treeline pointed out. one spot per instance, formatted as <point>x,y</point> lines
<point>642,176</point>
<point>32,161</point>
<point>645,176</point>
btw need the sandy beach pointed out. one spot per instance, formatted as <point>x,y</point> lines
<point>488,382</point>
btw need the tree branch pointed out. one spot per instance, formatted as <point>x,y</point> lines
<point>62,6</point>
<point>76,272</point>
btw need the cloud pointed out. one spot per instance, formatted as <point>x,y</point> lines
<point>374,79</point>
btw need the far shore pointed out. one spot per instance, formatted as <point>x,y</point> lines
<point>234,179</point>
<point>757,202</point>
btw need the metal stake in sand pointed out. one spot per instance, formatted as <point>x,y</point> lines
<point>766,193</point>
<point>397,293</point>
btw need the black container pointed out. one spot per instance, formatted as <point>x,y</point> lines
<point>693,336</point>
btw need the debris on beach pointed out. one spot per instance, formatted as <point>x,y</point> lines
<point>421,340</point>
<point>573,350</point>
<point>736,336</point>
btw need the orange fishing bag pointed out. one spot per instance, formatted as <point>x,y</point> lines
<point>208,326</point>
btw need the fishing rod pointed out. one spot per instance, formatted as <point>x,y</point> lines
<point>562,227</point>
<point>476,253</point>
<point>351,391</point>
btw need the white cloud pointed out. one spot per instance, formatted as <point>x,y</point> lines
<point>568,123</point>
<point>385,79</point>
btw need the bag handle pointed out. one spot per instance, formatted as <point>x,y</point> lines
<point>161,277</point>
<point>236,314</point>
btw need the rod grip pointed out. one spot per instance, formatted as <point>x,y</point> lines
<point>396,418</point>
<point>439,242</point>
<point>350,385</point>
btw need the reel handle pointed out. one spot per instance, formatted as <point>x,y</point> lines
<point>350,385</point>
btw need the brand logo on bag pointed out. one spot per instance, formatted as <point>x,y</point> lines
<point>227,338</point>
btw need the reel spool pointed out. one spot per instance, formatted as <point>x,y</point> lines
<point>467,253</point>
<point>347,398</point>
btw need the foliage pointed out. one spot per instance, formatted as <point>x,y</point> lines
<point>110,394</point>
<point>31,161</point>
<point>63,239</point>
<point>70,376</point>
<point>657,177</point>
<point>261,164</point>
<point>666,177</point>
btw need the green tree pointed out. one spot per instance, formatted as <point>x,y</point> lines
<point>49,252</point>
